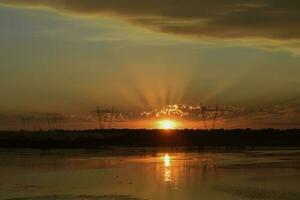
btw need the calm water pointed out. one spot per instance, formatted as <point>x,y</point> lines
<point>135,174</point>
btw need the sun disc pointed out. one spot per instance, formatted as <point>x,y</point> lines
<point>167,124</point>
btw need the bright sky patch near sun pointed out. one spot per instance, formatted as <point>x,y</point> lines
<point>70,61</point>
<point>167,124</point>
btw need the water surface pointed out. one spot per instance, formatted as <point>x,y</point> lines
<point>150,174</point>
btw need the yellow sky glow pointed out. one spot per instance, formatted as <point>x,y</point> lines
<point>167,124</point>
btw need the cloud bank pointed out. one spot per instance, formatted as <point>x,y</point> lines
<point>282,117</point>
<point>225,19</point>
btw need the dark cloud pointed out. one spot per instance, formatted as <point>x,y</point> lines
<point>270,19</point>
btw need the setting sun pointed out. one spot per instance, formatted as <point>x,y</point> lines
<point>167,124</point>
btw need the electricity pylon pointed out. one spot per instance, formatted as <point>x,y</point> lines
<point>26,121</point>
<point>105,117</point>
<point>209,116</point>
<point>52,120</point>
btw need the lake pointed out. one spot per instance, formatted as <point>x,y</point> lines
<point>150,174</point>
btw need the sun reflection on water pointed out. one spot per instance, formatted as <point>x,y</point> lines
<point>167,164</point>
<point>167,160</point>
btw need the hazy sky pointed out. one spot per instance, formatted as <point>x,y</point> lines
<point>69,56</point>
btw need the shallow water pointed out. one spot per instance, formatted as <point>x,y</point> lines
<point>154,174</point>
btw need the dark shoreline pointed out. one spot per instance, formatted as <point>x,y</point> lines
<point>200,139</point>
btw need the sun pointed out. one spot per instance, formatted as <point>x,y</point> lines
<point>167,124</point>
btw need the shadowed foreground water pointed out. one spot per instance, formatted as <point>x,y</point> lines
<point>154,174</point>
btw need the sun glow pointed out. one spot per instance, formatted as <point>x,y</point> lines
<point>167,124</point>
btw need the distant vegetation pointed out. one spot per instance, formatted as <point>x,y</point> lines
<point>151,138</point>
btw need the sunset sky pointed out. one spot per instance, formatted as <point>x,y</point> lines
<point>143,56</point>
